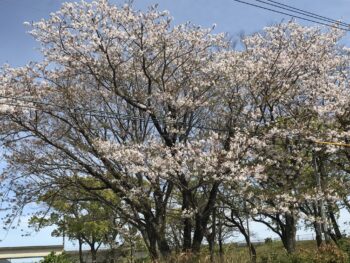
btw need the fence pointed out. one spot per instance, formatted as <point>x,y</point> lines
<point>302,237</point>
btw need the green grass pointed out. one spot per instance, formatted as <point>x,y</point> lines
<point>274,252</point>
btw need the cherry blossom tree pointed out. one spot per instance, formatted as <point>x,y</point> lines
<point>127,106</point>
<point>120,97</point>
<point>296,78</point>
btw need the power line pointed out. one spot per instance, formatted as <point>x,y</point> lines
<point>310,13</point>
<point>292,15</point>
<point>303,12</point>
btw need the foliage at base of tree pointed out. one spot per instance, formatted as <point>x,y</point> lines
<point>56,258</point>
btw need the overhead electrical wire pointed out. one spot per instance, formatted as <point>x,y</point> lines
<point>304,13</point>
<point>324,18</point>
<point>307,18</point>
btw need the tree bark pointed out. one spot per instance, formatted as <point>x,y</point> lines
<point>150,238</point>
<point>203,218</point>
<point>81,259</point>
<point>152,249</point>
<point>318,232</point>
<point>220,240</point>
<point>289,233</point>
<point>331,215</point>
<point>93,254</point>
<point>249,244</point>
<point>212,235</point>
<point>187,228</point>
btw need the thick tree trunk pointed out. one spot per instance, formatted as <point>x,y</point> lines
<point>93,255</point>
<point>187,227</point>
<point>198,234</point>
<point>154,234</point>
<point>289,235</point>
<point>152,249</point>
<point>203,218</point>
<point>162,241</point>
<point>164,247</point>
<point>150,237</point>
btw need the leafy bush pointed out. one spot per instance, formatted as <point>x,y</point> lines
<point>344,244</point>
<point>325,254</point>
<point>53,258</point>
<point>330,254</point>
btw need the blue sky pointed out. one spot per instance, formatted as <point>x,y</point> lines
<point>18,48</point>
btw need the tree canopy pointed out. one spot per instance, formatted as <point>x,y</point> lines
<point>160,123</point>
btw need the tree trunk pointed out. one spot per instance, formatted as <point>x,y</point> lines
<point>318,232</point>
<point>152,249</point>
<point>131,250</point>
<point>335,225</point>
<point>203,218</point>
<point>81,259</point>
<point>250,246</point>
<point>187,230</point>
<point>93,254</point>
<point>213,235</point>
<point>289,235</point>
<point>198,234</point>
<point>164,247</point>
<point>220,241</point>
<point>211,247</point>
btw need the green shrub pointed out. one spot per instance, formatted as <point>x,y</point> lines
<point>325,254</point>
<point>53,258</point>
<point>344,245</point>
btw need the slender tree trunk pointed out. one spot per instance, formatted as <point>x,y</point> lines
<point>318,232</point>
<point>131,250</point>
<point>220,240</point>
<point>335,225</point>
<point>317,225</point>
<point>176,239</point>
<point>212,235</point>
<point>251,247</point>
<point>246,233</point>
<point>211,247</point>
<point>81,259</point>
